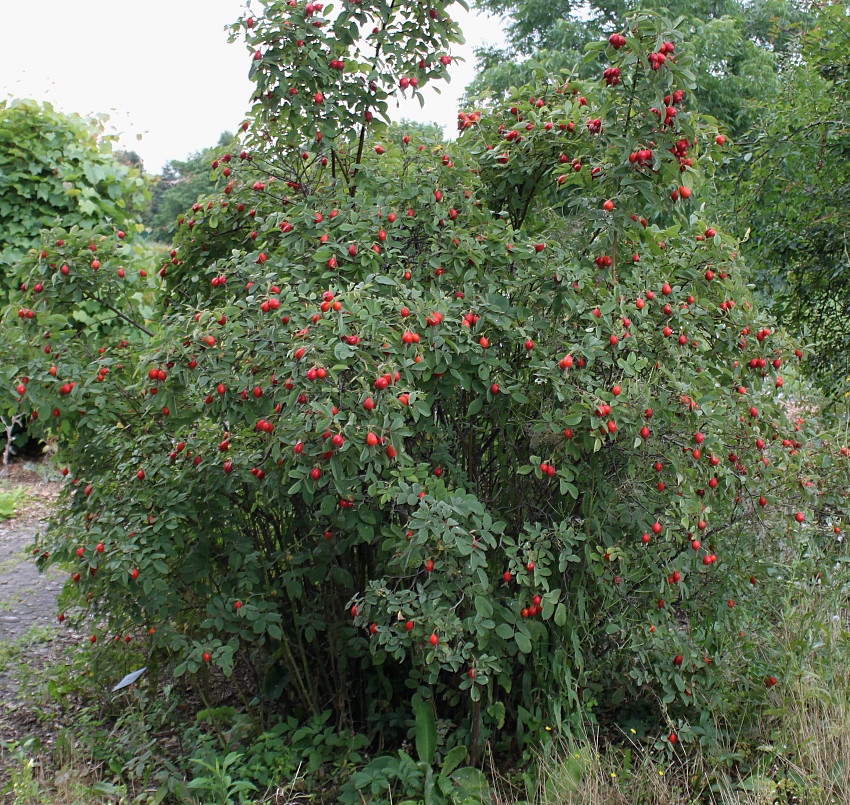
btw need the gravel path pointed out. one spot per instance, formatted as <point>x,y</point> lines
<point>27,597</point>
<point>29,633</point>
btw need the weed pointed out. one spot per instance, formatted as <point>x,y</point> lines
<point>11,498</point>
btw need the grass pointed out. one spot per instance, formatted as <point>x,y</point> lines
<point>10,499</point>
<point>801,755</point>
<point>814,711</point>
<point>11,650</point>
<point>28,784</point>
<point>585,772</point>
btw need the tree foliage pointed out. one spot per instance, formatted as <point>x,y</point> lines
<point>773,73</point>
<point>180,185</point>
<point>792,190</point>
<point>735,43</point>
<point>57,168</point>
<point>401,427</point>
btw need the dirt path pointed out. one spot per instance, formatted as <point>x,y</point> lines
<point>29,634</point>
<point>27,598</point>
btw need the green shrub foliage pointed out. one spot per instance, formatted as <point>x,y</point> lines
<point>57,168</point>
<point>402,427</point>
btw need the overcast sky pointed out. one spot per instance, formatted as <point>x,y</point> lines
<point>163,69</point>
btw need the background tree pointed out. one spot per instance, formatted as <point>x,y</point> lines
<point>736,46</point>
<point>431,132</point>
<point>59,169</point>
<point>131,159</point>
<point>181,184</point>
<point>792,191</point>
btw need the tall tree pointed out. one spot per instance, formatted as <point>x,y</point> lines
<point>793,191</point>
<point>181,184</point>
<point>736,45</point>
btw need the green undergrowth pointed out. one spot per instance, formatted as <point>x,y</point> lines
<point>157,742</point>
<point>11,498</point>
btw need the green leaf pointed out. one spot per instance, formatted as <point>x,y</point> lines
<point>504,631</point>
<point>483,606</point>
<point>471,781</point>
<point>426,730</point>
<point>560,615</point>
<point>454,757</point>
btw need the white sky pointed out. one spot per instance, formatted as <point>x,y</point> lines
<point>164,69</point>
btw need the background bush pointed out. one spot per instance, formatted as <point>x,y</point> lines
<point>58,169</point>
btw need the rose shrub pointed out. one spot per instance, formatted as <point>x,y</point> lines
<point>495,421</point>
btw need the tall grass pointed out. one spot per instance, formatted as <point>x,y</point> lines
<point>798,750</point>
<point>813,712</point>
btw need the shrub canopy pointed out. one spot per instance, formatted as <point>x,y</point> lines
<point>495,421</point>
